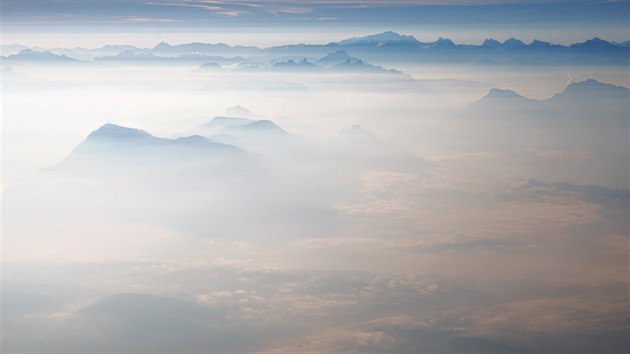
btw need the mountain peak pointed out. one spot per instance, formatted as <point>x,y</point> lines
<point>193,139</point>
<point>240,112</point>
<point>594,43</point>
<point>111,131</point>
<point>589,86</point>
<point>513,43</point>
<point>263,125</point>
<point>340,54</point>
<point>491,43</point>
<point>358,133</point>
<point>162,45</point>
<point>539,43</point>
<point>588,82</point>
<point>237,111</point>
<point>30,54</point>
<point>502,93</point>
<point>389,36</point>
<point>350,61</point>
<point>441,43</point>
<point>334,58</point>
<point>442,40</point>
<point>291,64</point>
<point>381,38</point>
<point>221,121</point>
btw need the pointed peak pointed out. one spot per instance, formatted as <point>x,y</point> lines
<point>443,42</point>
<point>594,43</point>
<point>356,132</point>
<point>162,45</point>
<point>237,111</point>
<point>356,128</point>
<point>491,43</point>
<point>502,93</point>
<point>241,112</point>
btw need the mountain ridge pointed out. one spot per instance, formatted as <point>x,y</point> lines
<point>583,86</point>
<point>373,46</point>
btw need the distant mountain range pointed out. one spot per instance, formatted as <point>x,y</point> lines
<point>588,99</point>
<point>587,115</point>
<point>42,56</point>
<point>386,47</point>
<point>198,184</point>
<point>393,47</point>
<point>339,61</point>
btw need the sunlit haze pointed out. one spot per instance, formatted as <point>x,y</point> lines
<point>335,176</point>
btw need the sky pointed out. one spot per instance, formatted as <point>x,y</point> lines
<point>273,22</point>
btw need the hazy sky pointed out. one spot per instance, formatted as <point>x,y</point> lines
<point>142,22</point>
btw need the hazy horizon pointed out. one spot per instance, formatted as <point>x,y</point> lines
<point>150,38</point>
<point>270,22</point>
<point>366,192</point>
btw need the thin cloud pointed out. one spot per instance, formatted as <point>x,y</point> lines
<point>200,5</point>
<point>290,10</point>
<point>231,13</point>
<point>146,20</point>
<point>231,3</point>
<point>287,6</point>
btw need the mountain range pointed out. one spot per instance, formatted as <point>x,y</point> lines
<point>584,99</point>
<point>336,62</point>
<point>586,116</point>
<point>386,47</point>
<point>238,166</point>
